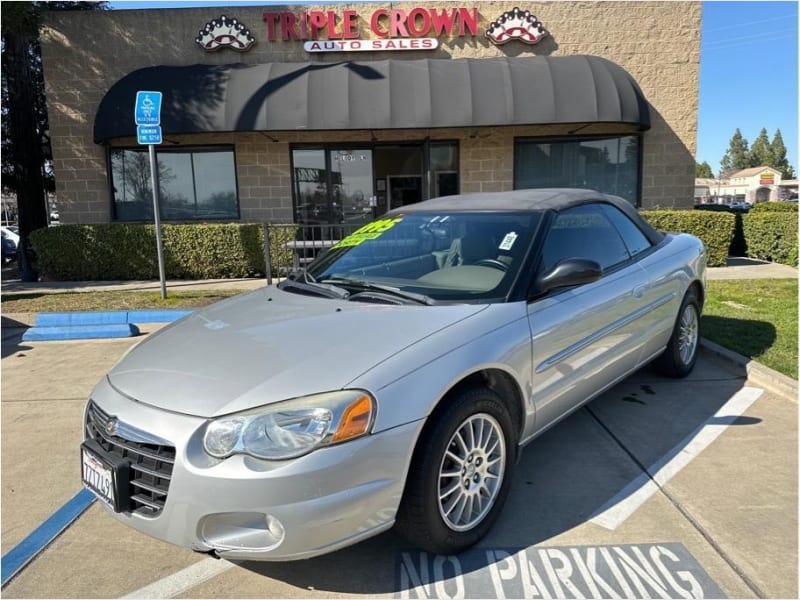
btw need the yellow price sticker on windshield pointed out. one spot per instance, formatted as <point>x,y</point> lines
<point>370,231</point>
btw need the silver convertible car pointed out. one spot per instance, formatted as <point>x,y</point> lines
<point>394,381</point>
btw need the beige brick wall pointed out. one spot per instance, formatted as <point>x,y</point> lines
<point>658,43</point>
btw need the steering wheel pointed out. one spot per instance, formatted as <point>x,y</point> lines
<point>492,262</point>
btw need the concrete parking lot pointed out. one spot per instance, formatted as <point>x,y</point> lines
<point>658,488</point>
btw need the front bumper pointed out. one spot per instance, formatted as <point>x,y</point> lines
<point>328,499</point>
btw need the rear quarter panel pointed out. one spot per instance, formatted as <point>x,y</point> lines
<point>675,264</point>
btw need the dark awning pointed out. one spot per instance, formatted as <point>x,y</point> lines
<point>388,94</point>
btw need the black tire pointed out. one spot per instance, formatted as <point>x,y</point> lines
<point>679,358</point>
<point>422,518</point>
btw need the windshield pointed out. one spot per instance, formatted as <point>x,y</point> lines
<point>457,256</point>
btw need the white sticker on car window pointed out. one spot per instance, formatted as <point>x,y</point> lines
<point>508,241</point>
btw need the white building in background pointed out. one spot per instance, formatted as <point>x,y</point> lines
<point>757,184</point>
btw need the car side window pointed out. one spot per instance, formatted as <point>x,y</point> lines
<point>633,237</point>
<point>583,232</point>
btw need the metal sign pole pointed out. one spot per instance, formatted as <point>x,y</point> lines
<point>157,218</point>
<point>147,116</point>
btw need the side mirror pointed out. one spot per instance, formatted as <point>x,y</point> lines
<point>569,272</point>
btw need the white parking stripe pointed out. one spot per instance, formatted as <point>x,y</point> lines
<point>179,582</point>
<point>614,512</point>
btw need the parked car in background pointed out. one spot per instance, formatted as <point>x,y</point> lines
<point>393,382</point>
<point>12,231</point>
<point>10,242</point>
<point>731,208</point>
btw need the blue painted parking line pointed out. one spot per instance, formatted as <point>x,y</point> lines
<point>42,536</point>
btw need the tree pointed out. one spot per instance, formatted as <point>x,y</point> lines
<point>779,160</point>
<point>761,151</point>
<point>737,156</point>
<point>26,153</point>
<point>703,170</point>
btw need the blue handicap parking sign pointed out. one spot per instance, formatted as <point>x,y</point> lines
<point>148,134</point>
<point>148,108</point>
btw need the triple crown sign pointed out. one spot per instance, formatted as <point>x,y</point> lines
<point>148,117</point>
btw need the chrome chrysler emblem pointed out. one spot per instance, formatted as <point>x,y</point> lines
<point>111,426</point>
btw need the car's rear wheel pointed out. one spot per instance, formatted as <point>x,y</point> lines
<point>460,474</point>
<point>681,354</point>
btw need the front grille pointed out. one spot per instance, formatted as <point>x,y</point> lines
<point>151,464</point>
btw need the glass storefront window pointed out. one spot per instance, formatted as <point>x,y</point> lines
<point>609,165</point>
<point>195,184</point>
<point>332,184</point>
<point>310,180</point>
<point>444,169</point>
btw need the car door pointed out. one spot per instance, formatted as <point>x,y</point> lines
<point>665,286</point>
<point>584,337</point>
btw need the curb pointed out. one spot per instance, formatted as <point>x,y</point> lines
<point>79,332</point>
<point>771,379</point>
<point>90,325</point>
<point>109,317</point>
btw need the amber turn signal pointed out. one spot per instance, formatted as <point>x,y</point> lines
<point>355,420</point>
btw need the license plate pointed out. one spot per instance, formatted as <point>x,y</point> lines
<point>98,476</point>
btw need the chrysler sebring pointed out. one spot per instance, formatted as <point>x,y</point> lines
<point>394,381</point>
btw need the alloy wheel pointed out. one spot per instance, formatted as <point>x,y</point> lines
<point>687,338</point>
<point>471,472</point>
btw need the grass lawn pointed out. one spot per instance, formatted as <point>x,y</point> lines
<point>756,318</point>
<point>122,300</point>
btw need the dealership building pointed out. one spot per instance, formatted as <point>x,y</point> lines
<point>328,113</point>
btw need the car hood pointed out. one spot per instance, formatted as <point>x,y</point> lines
<point>271,345</point>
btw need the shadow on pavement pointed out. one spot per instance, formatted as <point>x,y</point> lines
<point>12,337</point>
<point>563,477</point>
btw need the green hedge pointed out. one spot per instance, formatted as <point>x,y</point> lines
<point>773,207</point>
<point>128,251</point>
<point>771,235</point>
<point>714,228</point>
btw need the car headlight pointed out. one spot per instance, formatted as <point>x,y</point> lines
<point>292,428</point>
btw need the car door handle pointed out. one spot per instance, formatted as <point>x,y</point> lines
<point>639,291</point>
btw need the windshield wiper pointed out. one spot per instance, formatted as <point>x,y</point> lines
<point>309,285</point>
<point>360,284</point>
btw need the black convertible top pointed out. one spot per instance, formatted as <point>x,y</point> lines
<point>528,200</point>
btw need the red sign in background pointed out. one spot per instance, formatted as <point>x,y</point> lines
<point>384,23</point>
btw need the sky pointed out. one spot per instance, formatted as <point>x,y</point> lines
<point>748,71</point>
<point>748,75</point>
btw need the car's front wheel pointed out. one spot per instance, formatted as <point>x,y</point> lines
<point>460,474</point>
<point>681,353</point>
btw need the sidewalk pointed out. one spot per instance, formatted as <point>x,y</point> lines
<point>750,268</point>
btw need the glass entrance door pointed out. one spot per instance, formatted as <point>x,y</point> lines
<point>398,173</point>
<point>403,189</point>
<point>351,171</point>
